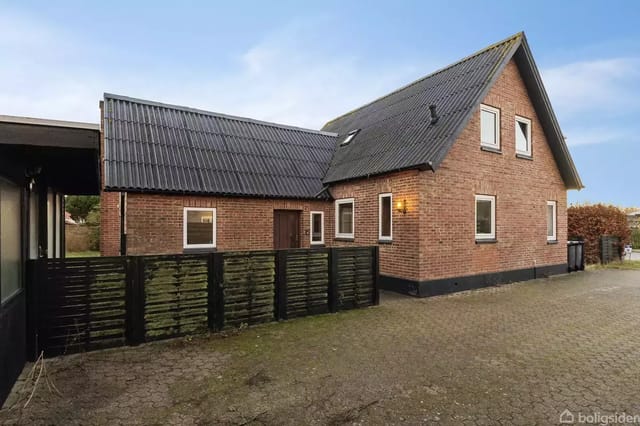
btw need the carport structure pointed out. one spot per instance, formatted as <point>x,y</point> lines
<point>41,161</point>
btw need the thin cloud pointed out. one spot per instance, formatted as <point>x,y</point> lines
<point>289,76</point>
<point>598,135</point>
<point>594,99</point>
<point>591,85</point>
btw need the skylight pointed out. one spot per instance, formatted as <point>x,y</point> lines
<point>349,137</point>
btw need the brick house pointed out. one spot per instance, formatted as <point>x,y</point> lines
<point>460,178</point>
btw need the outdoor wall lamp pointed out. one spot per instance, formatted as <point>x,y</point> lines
<point>401,206</point>
<point>31,173</point>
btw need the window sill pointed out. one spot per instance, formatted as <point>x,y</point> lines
<point>524,156</point>
<point>196,250</point>
<point>486,241</point>
<point>346,239</point>
<point>552,241</point>
<point>318,245</point>
<point>490,149</point>
<point>385,241</point>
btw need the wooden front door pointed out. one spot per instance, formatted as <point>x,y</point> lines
<point>286,229</point>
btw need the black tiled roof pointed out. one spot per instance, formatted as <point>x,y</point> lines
<point>396,131</point>
<point>153,147</point>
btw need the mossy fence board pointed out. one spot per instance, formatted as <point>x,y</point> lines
<point>248,287</point>
<point>83,304</point>
<point>80,304</point>
<point>176,296</point>
<point>307,282</point>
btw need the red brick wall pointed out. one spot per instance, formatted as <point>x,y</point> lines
<point>522,188</point>
<point>401,257</point>
<point>110,223</point>
<point>434,239</point>
<point>155,222</point>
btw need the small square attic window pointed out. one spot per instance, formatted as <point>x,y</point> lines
<point>352,134</point>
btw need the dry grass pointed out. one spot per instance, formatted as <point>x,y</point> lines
<point>625,265</point>
<point>83,254</point>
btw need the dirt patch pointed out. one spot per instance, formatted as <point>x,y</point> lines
<point>260,378</point>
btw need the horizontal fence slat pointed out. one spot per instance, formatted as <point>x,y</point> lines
<point>87,303</point>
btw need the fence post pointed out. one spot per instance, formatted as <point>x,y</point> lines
<point>375,270</point>
<point>216,291</point>
<point>280,282</point>
<point>332,292</point>
<point>36,271</point>
<point>211,293</point>
<point>134,300</point>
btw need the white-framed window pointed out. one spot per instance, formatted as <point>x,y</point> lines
<point>489,126</point>
<point>523,136</point>
<point>317,228</point>
<point>345,218</point>
<point>385,217</point>
<point>552,220</point>
<point>199,228</point>
<point>485,217</point>
<point>352,134</point>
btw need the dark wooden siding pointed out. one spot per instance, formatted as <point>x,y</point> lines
<point>12,342</point>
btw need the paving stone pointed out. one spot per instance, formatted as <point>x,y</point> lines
<point>513,354</point>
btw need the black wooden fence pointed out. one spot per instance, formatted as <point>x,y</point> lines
<point>610,249</point>
<point>83,304</point>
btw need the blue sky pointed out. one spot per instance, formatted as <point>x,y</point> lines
<point>303,63</point>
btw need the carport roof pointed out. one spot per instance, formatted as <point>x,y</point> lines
<point>65,152</point>
<point>43,132</point>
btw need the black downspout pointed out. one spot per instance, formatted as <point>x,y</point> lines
<point>43,230</point>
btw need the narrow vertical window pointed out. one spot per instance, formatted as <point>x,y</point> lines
<point>345,218</point>
<point>317,228</point>
<point>489,127</point>
<point>552,219</point>
<point>523,136</point>
<point>199,227</point>
<point>385,217</point>
<point>485,217</point>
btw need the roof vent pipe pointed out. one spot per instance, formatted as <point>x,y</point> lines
<point>434,114</point>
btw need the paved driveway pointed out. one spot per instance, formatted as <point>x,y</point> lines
<point>516,354</point>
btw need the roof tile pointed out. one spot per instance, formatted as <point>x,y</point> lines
<point>158,147</point>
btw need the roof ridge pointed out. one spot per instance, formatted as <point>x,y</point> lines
<point>518,35</point>
<point>215,114</point>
